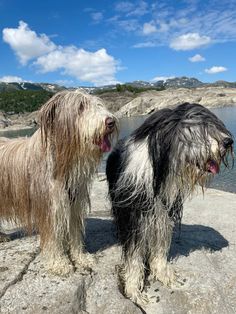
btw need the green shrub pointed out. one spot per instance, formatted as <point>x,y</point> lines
<point>127,87</point>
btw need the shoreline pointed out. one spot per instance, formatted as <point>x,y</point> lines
<point>16,128</point>
<point>19,127</point>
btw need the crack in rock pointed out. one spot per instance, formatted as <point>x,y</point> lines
<point>21,274</point>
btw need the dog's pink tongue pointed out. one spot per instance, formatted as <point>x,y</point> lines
<point>213,167</point>
<point>105,145</point>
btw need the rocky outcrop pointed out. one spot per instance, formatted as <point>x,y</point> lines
<point>12,122</point>
<point>204,256</point>
<point>4,121</point>
<point>151,101</point>
<point>115,100</point>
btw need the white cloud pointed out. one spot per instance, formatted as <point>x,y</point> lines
<point>10,79</point>
<point>162,78</point>
<point>216,69</point>
<point>163,27</point>
<point>96,67</point>
<point>26,43</point>
<point>130,25</point>
<point>147,44</point>
<point>216,22</point>
<point>149,28</point>
<point>189,41</point>
<point>197,58</point>
<point>124,6</point>
<point>97,17</point>
<point>138,8</point>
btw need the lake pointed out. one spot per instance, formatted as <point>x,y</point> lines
<point>226,180</point>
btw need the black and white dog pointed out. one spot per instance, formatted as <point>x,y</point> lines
<point>150,174</point>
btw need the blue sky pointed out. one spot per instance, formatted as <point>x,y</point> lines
<point>103,42</point>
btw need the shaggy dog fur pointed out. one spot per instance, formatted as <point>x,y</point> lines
<point>45,179</point>
<point>150,174</point>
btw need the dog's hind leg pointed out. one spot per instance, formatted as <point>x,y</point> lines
<point>78,255</point>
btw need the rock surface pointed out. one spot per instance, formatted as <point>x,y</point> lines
<point>18,121</point>
<point>205,256</point>
<point>4,121</point>
<point>148,102</point>
<point>116,100</point>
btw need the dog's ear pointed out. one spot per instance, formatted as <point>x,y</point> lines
<point>47,117</point>
<point>159,159</point>
<point>59,114</point>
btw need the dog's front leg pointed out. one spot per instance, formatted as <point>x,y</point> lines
<point>159,245</point>
<point>55,247</point>
<point>132,277</point>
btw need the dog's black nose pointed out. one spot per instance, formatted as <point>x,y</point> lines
<point>110,123</point>
<point>227,142</point>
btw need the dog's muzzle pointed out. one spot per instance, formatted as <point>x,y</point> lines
<point>212,165</point>
<point>110,125</point>
<point>105,143</point>
<point>227,142</point>
<point>226,146</point>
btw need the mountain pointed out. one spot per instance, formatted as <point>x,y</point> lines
<point>13,86</point>
<point>187,82</point>
<point>177,82</point>
<point>141,84</point>
<point>223,84</point>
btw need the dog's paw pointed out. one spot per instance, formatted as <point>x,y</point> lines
<point>138,297</point>
<point>84,261</point>
<point>169,277</point>
<point>60,267</point>
<point>165,273</point>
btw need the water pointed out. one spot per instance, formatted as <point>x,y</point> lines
<point>226,180</point>
<point>18,133</point>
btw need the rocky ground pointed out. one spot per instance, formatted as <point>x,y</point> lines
<point>130,104</point>
<point>204,255</point>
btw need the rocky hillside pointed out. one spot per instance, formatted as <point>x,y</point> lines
<point>14,86</point>
<point>116,100</point>
<point>150,101</point>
